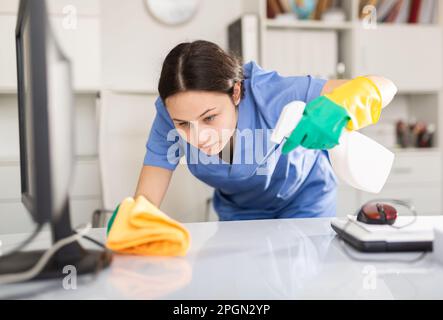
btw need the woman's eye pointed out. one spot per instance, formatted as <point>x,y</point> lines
<point>183,124</point>
<point>210,118</point>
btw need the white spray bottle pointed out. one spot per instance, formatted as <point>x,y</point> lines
<point>358,160</point>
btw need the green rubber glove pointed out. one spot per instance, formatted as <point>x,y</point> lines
<point>111,221</point>
<point>320,127</point>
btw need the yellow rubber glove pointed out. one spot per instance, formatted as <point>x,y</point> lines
<point>362,100</point>
<point>140,228</point>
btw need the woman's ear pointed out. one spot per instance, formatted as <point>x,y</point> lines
<point>236,95</point>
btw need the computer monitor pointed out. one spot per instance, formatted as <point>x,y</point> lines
<point>45,115</point>
<point>45,104</point>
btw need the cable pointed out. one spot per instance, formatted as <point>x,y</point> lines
<point>38,267</point>
<point>98,243</point>
<point>107,253</point>
<point>24,243</point>
<point>34,234</point>
<point>404,204</point>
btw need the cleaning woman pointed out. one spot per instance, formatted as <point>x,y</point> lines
<point>219,113</point>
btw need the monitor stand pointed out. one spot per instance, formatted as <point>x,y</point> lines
<point>84,260</point>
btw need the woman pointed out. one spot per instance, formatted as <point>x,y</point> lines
<point>218,114</point>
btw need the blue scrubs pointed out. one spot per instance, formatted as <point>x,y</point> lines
<point>298,185</point>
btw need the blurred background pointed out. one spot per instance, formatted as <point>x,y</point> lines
<point>117,49</point>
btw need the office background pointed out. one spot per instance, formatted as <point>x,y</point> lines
<point>117,48</point>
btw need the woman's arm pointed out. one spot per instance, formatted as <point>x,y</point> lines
<point>153,184</point>
<point>331,85</point>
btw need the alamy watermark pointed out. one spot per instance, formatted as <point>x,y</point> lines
<point>70,280</point>
<point>251,147</point>
<point>69,21</point>
<point>369,20</point>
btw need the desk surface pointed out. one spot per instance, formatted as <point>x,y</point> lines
<point>263,259</point>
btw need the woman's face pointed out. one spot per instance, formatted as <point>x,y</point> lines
<point>207,120</point>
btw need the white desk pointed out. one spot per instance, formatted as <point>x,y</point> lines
<point>266,259</point>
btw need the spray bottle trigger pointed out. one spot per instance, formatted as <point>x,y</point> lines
<point>288,121</point>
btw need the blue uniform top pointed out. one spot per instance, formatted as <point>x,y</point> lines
<point>269,185</point>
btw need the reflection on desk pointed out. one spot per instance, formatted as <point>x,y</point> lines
<point>261,259</point>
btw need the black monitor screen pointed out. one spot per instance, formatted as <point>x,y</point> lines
<point>45,114</point>
<point>25,112</point>
<point>28,184</point>
<point>32,108</point>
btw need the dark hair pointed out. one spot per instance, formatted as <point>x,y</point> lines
<point>200,65</point>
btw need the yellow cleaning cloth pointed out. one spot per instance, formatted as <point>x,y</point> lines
<point>362,100</point>
<point>140,228</point>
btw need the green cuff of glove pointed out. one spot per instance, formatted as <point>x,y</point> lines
<point>320,128</point>
<point>111,221</point>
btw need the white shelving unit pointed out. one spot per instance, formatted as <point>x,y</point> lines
<point>409,54</point>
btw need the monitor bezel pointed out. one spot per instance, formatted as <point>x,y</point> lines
<point>39,205</point>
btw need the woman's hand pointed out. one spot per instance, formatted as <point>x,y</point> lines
<point>362,100</point>
<point>320,127</point>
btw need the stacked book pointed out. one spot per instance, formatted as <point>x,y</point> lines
<point>402,11</point>
<point>301,9</point>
